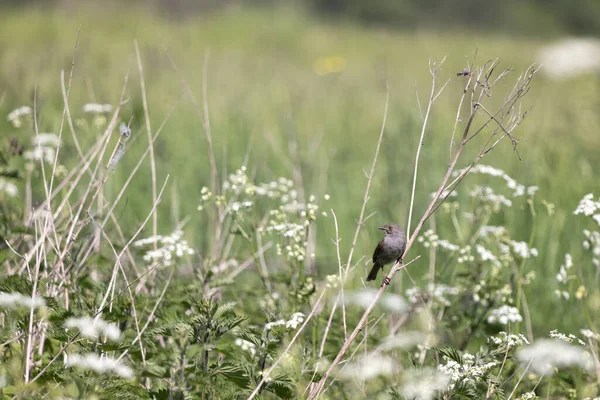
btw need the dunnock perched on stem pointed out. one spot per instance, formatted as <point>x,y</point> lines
<point>389,249</point>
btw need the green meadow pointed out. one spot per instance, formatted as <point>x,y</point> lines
<point>291,95</point>
<point>263,90</point>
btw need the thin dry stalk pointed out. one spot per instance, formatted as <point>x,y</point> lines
<point>150,140</point>
<point>340,268</point>
<point>433,70</point>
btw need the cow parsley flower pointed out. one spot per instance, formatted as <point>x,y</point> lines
<point>545,354</point>
<point>16,300</point>
<point>423,384</point>
<point>14,116</point>
<point>504,315</point>
<point>97,108</point>
<point>100,364</point>
<point>92,327</point>
<point>8,187</point>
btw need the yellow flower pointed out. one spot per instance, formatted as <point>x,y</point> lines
<point>328,65</point>
<point>580,294</point>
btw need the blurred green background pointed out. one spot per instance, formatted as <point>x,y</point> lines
<point>303,83</point>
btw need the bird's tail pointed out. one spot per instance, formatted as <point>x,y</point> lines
<point>373,274</point>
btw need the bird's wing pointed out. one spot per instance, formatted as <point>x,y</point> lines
<point>378,250</point>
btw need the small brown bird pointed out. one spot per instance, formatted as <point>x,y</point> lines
<point>389,249</point>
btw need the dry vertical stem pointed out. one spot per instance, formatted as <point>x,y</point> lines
<point>150,141</point>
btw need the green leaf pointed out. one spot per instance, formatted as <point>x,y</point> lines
<point>282,386</point>
<point>450,352</point>
<point>238,374</point>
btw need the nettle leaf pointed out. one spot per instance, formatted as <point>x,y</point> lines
<point>395,395</point>
<point>282,386</point>
<point>251,334</point>
<point>16,284</point>
<point>228,325</point>
<point>450,352</point>
<point>238,374</point>
<point>152,370</point>
<point>120,389</point>
<point>223,309</point>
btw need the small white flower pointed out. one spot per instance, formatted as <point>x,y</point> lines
<point>590,335</point>
<point>368,367</point>
<point>364,297</point>
<point>295,321</point>
<point>545,354</point>
<point>424,384</point>
<point>16,300</point>
<point>97,108</point>
<point>587,206</point>
<point>92,328</point>
<point>246,345</point>
<point>569,58</point>
<point>273,324</point>
<point>99,364</point>
<point>15,115</point>
<point>8,187</point>
<point>570,338</point>
<point>504,315</point>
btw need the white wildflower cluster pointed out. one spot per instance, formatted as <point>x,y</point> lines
<point>528,396</point>
<point>332,281</point>
<point>587,206</point>
<point>517,189</point>
<point>17,300</point>
<point>97,108</point>
<point>293,323</point>
<point>544,355</point>
<point>14,117</point>
<point>369,367</point>
<point>504,315</point>
<point>569,58</point>
<point>486,194</point>
<point>489,230</point>
<point>8,187</point>
<point>521,249</point>
<point>487,255</point>
<point>423,384</point>
<point>570,338</point>
<point>288,219</point>
<point>590,334</point>
<point>428,238</point>
<point>171,247</point>
<point>592,243</point>
<point>437,292</point>
<point>469,372</point>
<point>364,297</point>
<point>100,364</point>
<point>246,345</point>
<point>224,266</point>
<point>563,277</point>
<point>464,255</point>
<point>43,148</point>
<point>445,194</point>
<point>92,327</point>
<point>509,341</point>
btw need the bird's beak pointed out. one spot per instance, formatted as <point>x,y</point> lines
<point>382,228</point>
